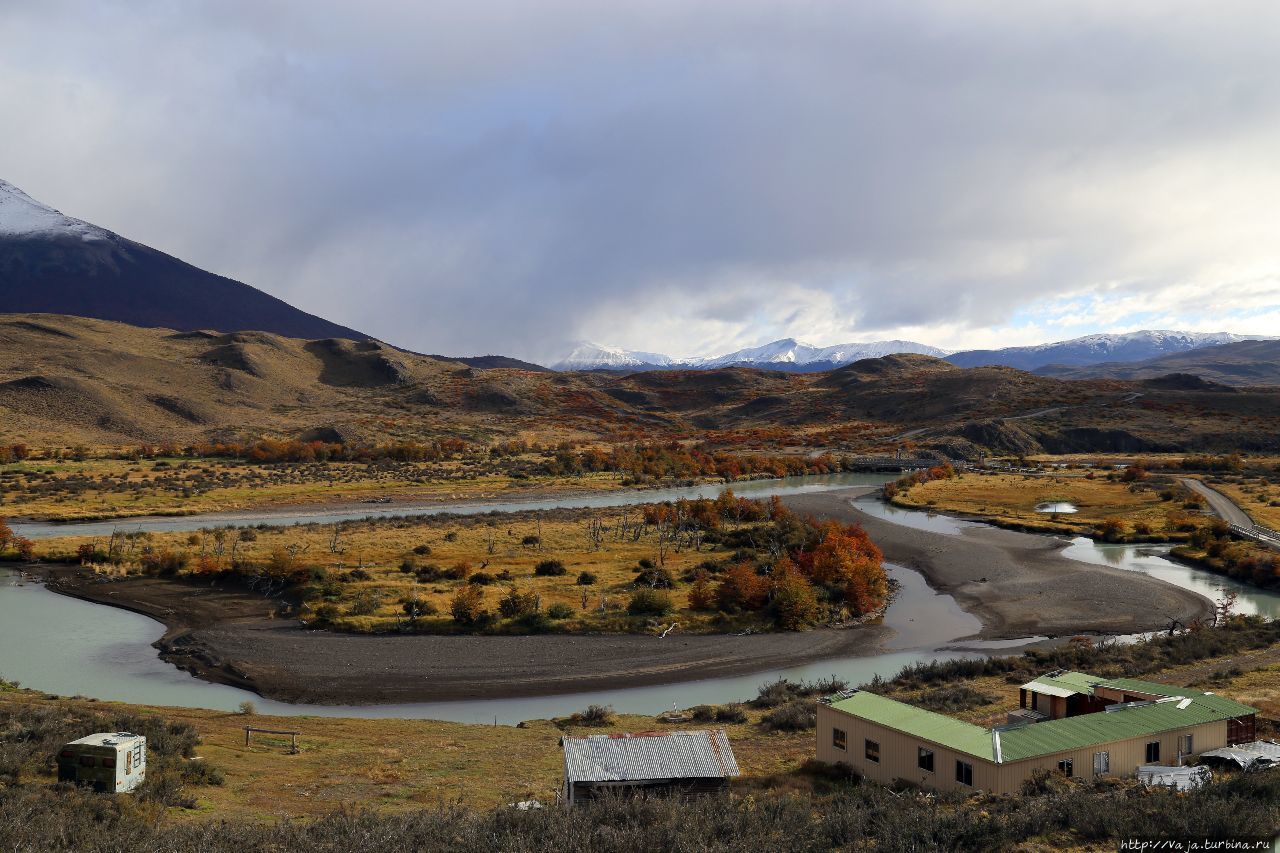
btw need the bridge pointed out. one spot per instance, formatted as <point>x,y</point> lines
<point>1258,533</point>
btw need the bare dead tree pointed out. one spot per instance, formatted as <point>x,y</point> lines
<point>595,532</point>
<point>335,539</point>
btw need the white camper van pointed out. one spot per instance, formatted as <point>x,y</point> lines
<point>112,762</point>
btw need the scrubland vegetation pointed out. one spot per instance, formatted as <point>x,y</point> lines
<point>721,564</point>
<point>1114,505</point>
<point>428,785</point>
<point>80,483</point>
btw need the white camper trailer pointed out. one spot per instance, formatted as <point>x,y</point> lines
<point>112,762</point>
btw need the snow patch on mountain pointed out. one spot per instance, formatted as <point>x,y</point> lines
<point>22,216</point>
<point>787,352</point>
<point>793,352</point>
<point>588,356</point>
<point>1095,349</point>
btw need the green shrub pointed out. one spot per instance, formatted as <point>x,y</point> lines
<point>799,715</point>
<point>550,568</point>
<point>594,715</point>
<point>649,602</point>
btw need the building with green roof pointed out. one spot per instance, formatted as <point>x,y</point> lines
<point>1072,723</point>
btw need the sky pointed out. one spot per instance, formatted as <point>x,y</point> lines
<point>687,178</point>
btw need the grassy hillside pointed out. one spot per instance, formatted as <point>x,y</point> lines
<point>66,381</point>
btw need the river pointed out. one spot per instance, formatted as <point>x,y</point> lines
<point>321,515</point>
<point>71,647</point>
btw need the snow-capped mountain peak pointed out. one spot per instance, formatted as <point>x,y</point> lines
<point>787,353</point>
<point>1094,349</point>
<point>588,356</point>
<point>23,216</point>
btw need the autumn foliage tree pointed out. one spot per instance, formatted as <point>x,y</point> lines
<point>740,589</point>
<point>6,534</point>
<point>702,596</point>
<point>847,562</point>
<point>25,547</point>
<point>467,606</point>
<point>795,602</point>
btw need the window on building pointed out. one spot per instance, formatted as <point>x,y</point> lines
<point>1101,763</point>
<point>839,739</point>
<point>964,773</point>
<point>1067,767</point>
<point>873,751</point>
<point>1153,752</point>
<point>924,759</point>
<point>1184,746</point>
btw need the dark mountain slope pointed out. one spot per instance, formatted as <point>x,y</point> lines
<point>51,263</point>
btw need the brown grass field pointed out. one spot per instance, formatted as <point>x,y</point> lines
<point>1258,496</point>
<point>1011,500</point>
<point>399,764</point>
<point>66,490</point>
<point>489,544</point>
<point>392,765</point>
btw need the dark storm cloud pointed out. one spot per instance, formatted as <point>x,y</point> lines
<point>669,175</point>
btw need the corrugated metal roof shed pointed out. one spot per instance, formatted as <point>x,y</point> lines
<point>1046,738</point>
<point>1063,684</point>
<point>1103,727</point>
<point>651,755</point>
<point>1221,704</point>
<point>908,719</point>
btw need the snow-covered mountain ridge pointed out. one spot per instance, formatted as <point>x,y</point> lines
<point>787,353</point>
<point>791,354</point>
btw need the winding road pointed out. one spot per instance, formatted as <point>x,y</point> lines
<point>1232,513</point>
<point>1221,505</point>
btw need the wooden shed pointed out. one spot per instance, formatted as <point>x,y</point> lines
<point>685,763</point>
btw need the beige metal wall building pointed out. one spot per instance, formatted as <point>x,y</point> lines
<point>886,740</point>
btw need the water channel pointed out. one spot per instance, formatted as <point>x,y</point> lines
<point>70,647</point>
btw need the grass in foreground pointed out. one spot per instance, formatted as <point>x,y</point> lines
<point>414,785</point>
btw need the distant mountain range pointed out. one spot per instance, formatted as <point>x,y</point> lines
<point>53,263</point>
<point>1096,349</point>
<point>786,354</point>
<point>1251,362</point>
<point>791,355</point>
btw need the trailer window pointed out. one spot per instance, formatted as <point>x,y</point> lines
<point>108,762</point>
<point>86,761</point>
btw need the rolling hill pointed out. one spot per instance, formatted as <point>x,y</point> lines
<point>54,263</point>
<point>67,380</point>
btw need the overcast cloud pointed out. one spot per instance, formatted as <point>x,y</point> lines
<point>674,176</point>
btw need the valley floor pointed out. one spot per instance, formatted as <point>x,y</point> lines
<point>1018,584</point>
